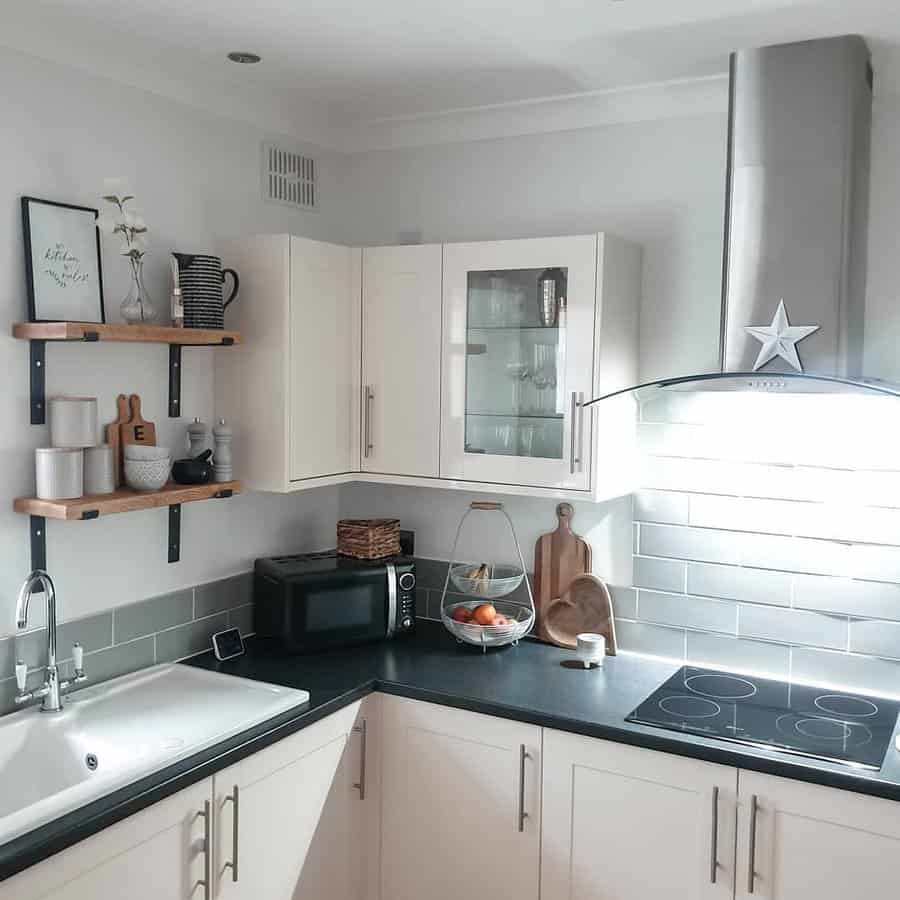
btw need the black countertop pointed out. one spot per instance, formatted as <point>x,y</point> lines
<point>530,683</point>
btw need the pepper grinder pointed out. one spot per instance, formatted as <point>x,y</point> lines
<point>197,436</point>
<point>222,463</point>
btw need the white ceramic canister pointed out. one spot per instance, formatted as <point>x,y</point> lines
<point>99,470</point>
<point>73,421</point>
<point>59,473</point>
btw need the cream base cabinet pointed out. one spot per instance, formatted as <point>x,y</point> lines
<point>156,854</point>
<point>401,359</point>
<point>514,372</point>
<point>463,818</point>
<point>624,823</point>
<point>269,808</point>
<point>814,843</point>
<point>291,390</point>
<point>343,861</point>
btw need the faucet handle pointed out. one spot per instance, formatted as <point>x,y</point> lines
<point>21,675</point>
<point>78,658</point>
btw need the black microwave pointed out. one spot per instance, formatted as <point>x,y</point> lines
<point>320,601</point>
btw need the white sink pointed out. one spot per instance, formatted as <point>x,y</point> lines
<point>133,726</point>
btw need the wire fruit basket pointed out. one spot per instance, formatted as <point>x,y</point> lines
<point>483,619</point>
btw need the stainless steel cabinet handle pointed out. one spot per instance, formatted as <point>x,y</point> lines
<point>235,832</point>
<point>714,837</point>
<point>368,397</point>
<point>576,433</point>
<point>361,784</point>
<point>523,755</point>
<point>751,849</point>
<point>206,881</point>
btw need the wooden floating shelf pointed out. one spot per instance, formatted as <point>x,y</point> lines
<point>135,334</point>
<point>123,501</point>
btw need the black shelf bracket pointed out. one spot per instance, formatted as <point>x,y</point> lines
<point>223,495</point>
<point>38,527</point>
<point>37,366</point>
<point>174,381</point>
<point>175,533</point>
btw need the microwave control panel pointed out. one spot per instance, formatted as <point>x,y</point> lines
<point>406,618</point>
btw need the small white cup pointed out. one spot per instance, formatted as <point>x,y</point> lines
<point>591,648</point>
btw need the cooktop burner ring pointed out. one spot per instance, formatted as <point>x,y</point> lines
<point>816,733</point>
<point>740,688</point>
<point>710,707</point>
<point>831,703</point>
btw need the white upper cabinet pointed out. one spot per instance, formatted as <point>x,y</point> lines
<point>432,364</point>
<point>401,359</point>
<point>292,392</point>
<point>531,329</point>
<point>803,841</point>
<point>632,824</point>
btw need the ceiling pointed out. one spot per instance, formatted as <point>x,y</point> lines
<point>347,62</point>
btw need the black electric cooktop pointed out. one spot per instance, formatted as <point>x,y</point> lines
<point>796,718</point>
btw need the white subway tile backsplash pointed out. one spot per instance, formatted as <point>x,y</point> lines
<point>738,654</point>
<point>690,543</point>
<point>793,626</point>
<point>624,601</point>
<point>786,509</point>
<point>687,612</point>
<point>866,674</point>
<point>875,638</point>
<point>652,640</point>
<point>875,563</point>
<point>661,574</point>
<point>661,506</point>
<point>859,598</point>
<point>739,583</point>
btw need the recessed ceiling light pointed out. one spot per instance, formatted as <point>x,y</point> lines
<point>240,56</point>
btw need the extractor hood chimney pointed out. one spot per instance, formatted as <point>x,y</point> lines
<point>796,218</point>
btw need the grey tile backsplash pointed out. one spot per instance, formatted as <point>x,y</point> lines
<point>128,638</point>
<point>789,507</point>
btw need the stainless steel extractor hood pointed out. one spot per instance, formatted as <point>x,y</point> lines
<point>796,223</point>
<point>796,219</point>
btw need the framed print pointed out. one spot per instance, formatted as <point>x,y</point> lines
<point>62,262</point>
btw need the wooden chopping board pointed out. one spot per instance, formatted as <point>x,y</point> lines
<point>137,430</point>
<point>585,606</point>
<point>559,557</point>
<point>114,436</point>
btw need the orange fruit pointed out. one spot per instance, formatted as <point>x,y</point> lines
<point>484,614</point>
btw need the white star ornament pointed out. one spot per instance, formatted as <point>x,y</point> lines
<point>779,339</point>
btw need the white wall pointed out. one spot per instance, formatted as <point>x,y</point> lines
<point>197,180</point>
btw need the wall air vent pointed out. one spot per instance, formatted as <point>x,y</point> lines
<point>290,178</point>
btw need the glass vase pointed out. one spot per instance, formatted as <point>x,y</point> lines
<point>137,307</point>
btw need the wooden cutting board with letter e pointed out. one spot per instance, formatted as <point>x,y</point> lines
<point>137,430</point>
<point>559,557</point>
<point>114,436</point>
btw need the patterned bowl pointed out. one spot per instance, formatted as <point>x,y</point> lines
<point>147,474</point>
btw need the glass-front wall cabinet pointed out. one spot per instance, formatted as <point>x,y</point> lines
<point>519,322</point>
<point>515,362</point>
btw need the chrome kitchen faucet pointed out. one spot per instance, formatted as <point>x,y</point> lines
<point>51,690</point>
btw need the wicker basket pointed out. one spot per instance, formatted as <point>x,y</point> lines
<point>368,538</point>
